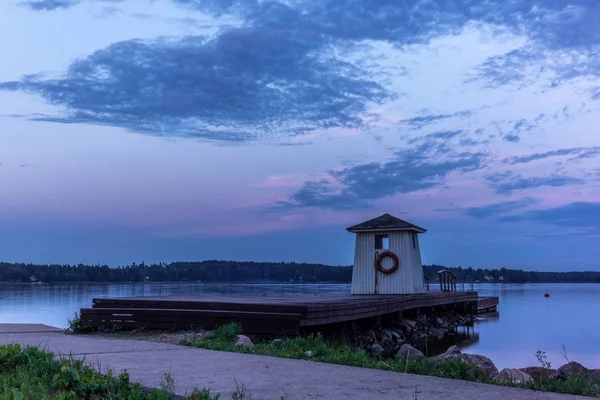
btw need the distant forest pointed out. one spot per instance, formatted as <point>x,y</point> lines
<point>233,271</point>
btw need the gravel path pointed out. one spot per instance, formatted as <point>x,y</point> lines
<point>266,378</point>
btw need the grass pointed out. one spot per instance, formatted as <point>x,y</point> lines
<point>316,348</point>
<point>32,374</point>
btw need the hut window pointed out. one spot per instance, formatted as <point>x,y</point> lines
<point>381,242</point>
<point>414,237</point>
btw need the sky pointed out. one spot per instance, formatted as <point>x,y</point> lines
<point>164,130</point>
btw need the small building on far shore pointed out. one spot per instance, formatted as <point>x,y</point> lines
<point>387,257</point>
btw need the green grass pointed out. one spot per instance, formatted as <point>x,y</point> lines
<point>32,374</point>
<point>317,348</point>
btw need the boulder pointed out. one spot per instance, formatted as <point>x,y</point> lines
<point>570,370</point>
<point>375,350</point>
<point>390,351</point>
<point>453,351</point>
<point>594,375</point>
<point>539,374</point>
<point>397,337</point>
<point>372,337</point>
<point>513,375</point>
<point>407,352</point>
<point>409,323</point>
<point>244,341</point>
<point>386,335</point>
<point>481,362</point>
<point>275,341</point>
<point>308,353</point>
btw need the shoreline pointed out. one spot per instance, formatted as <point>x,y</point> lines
<point>459,284</point>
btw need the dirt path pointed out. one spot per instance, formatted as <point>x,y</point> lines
<point>267,378</point>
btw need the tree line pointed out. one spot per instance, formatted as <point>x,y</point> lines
<point>234,271</point>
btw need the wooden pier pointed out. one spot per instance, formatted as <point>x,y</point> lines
<point>486,304</point>
<point>265,315</point>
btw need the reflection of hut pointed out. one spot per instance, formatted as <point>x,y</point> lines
<point>447,281</point>
<point>426,281</point>
<point>387,257</point>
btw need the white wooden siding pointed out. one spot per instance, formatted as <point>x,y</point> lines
<point>408,278</point>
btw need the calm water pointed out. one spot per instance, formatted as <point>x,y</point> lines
<point>527,322</point>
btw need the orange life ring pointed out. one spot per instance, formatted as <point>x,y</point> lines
<point>380,258</point>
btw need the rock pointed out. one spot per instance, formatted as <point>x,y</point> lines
<point>383,365</point>
<point>244,341</point>
<point>409,323</point>
<point>407,352</point>
<point>481,362</point>
<point>396,337</point>
<point>371,335</point>
<point>594,375</point>
<point>453,351</point>
<point>439,321</point>
<point>275,341</point>
<point>539,374</point>
<point>391,350</point>
<point>375,350</point>
<point>570,370</point>
<point>513,375</point>
<point>386,335</point>
<point>308,353</point>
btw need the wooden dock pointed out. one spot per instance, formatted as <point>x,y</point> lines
<point>264,315</point>
<point>486,304</point>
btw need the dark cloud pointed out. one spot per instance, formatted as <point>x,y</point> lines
<point>419,168</point>
<point>281,70</point>
<point>577,152</point>
<point>562,44</point>
<point>424,120</point>
<point>49,5</point>
<point>437,136</point>
<point>512,138</point>
<point>508,182</point>
<point>244,82</point>
<point>582,215</point>
<point>52,5</point>
<point>495,209</point>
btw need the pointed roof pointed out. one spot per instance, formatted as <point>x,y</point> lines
<point>385,222</point>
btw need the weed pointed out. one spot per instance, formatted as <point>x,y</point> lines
<point>241,392</point>
<point>543,359</point>
<point>75,324</point>
<point>168,384</point>
<point>30,373</point>
<point>203,394</point>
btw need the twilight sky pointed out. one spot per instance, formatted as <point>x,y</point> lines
<point>162,130</point>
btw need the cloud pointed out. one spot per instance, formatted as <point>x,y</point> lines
<point>424,120</point>
<point>561,44</point>
<point>49,5</point>
<point>508,182</point>
<point>411,170</point>
<point>244,83</point>
<point>491,210</point>
<point>578,152</point>
<point>512,138</point>
<point>281,71</point>
<point>53,5</point>
<point>584,215</point>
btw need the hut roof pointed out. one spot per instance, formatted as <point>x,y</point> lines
<point>385,222</point>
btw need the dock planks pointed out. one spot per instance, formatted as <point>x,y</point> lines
<point>260,314</point>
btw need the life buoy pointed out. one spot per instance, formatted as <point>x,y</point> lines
<point>380,258</point>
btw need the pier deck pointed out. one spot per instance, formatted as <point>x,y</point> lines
<point>263,315</point>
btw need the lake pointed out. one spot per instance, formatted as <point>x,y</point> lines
<point>527,321</point>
